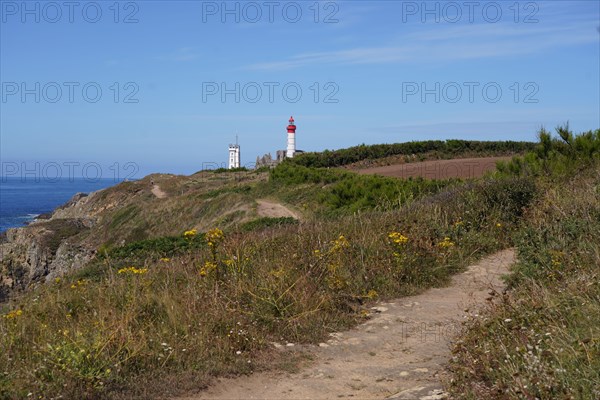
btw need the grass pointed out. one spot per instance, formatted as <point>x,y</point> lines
<point>541,339</point>
<point>346,192</point>
<point>267,222</point>
<point>58,230</point>
<point>212,309</point>
<point>159,307</point>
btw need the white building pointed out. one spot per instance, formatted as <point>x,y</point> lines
<point>234,155</point>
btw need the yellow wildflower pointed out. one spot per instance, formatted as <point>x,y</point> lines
<point>190,234</point>
<point>555,262</point>
<point>397,238</point>
<point>229,262</point>
<point>165,259</point>
<point>79,283</point>
<point>499,225</point>
<point>446,243</point>
<point>557,257</point>
<point>214,236</point>
<point>340,243</point>
<point>13,314</point>
<point>208,267</point>
<point>372,294</point>
<point>132,270</point>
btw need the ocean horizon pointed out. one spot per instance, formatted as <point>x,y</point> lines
<point>24,199</point>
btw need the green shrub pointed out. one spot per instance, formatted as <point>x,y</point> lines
<point>267,222</point>
<point>449,148</point>
<point>148,250</point>
<point>541,338</point>
<point>351,192</point>
<point>229,170</point>
<point>556,156</point>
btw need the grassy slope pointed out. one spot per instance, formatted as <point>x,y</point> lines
<point>212,309</point>
<point>129,212</point>
<point>542,338</point>
<point>109,332</point>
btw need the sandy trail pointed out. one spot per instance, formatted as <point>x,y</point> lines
<point>271,209</point>
<point>398,354</point>
<point>157,191</point>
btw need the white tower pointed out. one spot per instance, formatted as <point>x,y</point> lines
<point>234,154</point>
<point>291,139</point>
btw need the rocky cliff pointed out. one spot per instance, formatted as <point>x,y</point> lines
<point>68,238</point>
<point>42,250</point>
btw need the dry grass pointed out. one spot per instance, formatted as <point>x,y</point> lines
<point>542,339</point>
<point>214,309</point>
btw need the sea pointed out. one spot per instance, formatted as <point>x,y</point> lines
<point>23,199</point>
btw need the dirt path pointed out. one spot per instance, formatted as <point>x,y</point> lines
<point>271,209</point>
<point>397,354</point>
<point>157,191</point>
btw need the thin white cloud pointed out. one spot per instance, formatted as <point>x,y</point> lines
<point>449,43</point>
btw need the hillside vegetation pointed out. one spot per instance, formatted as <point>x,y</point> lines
<point>410,151</point>
<point>541,339</point>
<point>197,285</point>
<point>163,205</point>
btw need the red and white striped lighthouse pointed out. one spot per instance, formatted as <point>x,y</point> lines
<point>291,138</point>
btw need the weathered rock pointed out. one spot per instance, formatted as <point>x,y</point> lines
<point>30,254</point>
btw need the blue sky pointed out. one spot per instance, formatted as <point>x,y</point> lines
<point>369,72</point>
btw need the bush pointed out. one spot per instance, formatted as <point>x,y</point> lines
<point>351,192</point>
<point>556,156</point>
<point>229,170</point>
<point>450,148</point>
<point>541,338</point>
<point>154,248</point>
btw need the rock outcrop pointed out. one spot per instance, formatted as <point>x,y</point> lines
<point>42,250</point>
<point>127,212</point>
